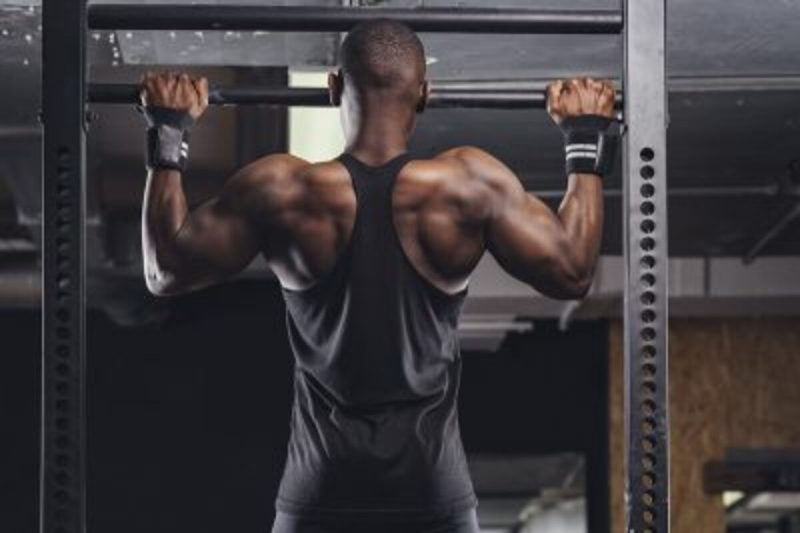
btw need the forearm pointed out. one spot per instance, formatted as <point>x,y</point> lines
<point>164,211</point>
<point>581,216</point>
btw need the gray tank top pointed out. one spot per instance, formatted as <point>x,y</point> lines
<point>374,426</point>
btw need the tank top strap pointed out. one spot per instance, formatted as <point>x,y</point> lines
<point>388,170</point>
<point>373,187</point>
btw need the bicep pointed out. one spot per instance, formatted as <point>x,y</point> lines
<point>523,234</point>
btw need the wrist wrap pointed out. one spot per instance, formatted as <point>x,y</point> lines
<point>167,138</point>
<point>590,144</point>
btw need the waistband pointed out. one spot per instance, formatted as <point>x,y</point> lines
<point>388,512</point>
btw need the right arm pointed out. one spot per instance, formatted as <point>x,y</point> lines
<point>555,253</point>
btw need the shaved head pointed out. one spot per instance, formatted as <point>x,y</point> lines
<point>383,55</point>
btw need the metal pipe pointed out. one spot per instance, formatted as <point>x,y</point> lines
<point>341,19</point>
<point>774,231</point>
<point>129,94</point>
<point>675,84</point>
<point>16,133</point>
<point>62,474</point>
<point>646,272</point>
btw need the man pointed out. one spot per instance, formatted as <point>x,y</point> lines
<point>374,251</point>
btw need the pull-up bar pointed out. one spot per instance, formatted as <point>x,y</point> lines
<point>340,19</point>
<point>116,93</point>
<point>294,96</point>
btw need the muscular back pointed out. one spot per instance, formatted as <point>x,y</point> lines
<point>437,211</point>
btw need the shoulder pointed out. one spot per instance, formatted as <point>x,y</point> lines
<point>275,170</point>
<point>282,176</point>
<point>286,170</point>
<point>450,167</point>
<point>478,165</point>
<point>464,155</point>
<point>454,181</point>
<point>283,184</point>
<point>467,171</point>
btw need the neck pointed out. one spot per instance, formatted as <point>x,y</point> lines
<point>379,137</point>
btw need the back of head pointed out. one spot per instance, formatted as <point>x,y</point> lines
<point>383,55</point>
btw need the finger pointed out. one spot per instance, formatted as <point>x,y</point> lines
<point>554,89</point>
<point>571,85</point>
<point>608,99</point>
<point>150,88</point>
<point>168,79</point>
<point>201,86</point>
<point>185,86</point>
<point>195,85</point>
<point>164,78</point>
<point>187,96</point>
<point>557,102</point>
<point>172,82</point>
<point>166,87</point>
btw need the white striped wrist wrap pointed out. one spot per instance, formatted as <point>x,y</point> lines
<point>581,151</point>
<point>167,148</point>
<point>167,137</point>
<point>590,144</point>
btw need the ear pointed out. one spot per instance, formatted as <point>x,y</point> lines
<point>425,94</point>
<point>335,87</point>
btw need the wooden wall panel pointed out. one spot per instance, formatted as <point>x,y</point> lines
<point>735,383</point>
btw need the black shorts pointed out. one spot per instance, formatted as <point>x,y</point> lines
<point>466,522</point>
